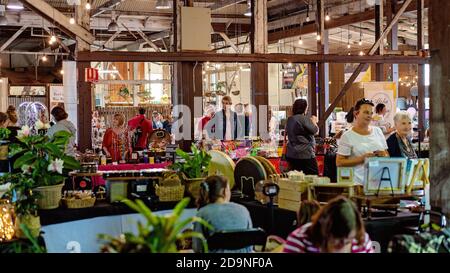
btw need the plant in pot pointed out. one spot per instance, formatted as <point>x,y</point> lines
<point>160,233</point>
<point>42,159</point>
<point>192,169</point>
<point>25,202</point>
<point>4,136</point>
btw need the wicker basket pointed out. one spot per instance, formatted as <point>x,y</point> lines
<point>50,196</point>
<point>170,193</point>
<point>73,203</point>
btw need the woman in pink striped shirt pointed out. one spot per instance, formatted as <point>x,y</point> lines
<point>335,228</point>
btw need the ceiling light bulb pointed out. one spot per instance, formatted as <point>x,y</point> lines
<point>349,54</point>
<point>52,39</point>
<point>307,18</point>
<point>318,37</point>
<point>204,79</point>
<point>361,53</point>
<point>203,72</point>
<point>88,6</point>
<point>289,64</point>
<point>349,46</point>
<point>44,58</point>
<point>62,72</point>
<point>327,17</point>
<point>72,20</point>
<point>360,43</point>
<point>300,41</point>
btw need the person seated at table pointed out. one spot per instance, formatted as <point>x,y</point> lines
<point>116,140</point>
<point>361,141</point>
<point>336,228</point>
<point>306,211</point>
<point>301,143</point>
<point>215,208</point>
<point>399,144</point>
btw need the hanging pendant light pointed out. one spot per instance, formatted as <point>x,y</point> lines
<point>87,6</point>
<point>300,41</point>
<point>113,26</point>
<point>248,12</point>
<point>162,4</point>
<point>14,4</point>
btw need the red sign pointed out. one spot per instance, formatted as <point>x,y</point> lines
<point>91,74</point>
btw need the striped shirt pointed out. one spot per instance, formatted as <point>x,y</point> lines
<point>298,242</point>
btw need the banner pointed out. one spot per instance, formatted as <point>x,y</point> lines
<point>91,74</point>
<point>383,92</point>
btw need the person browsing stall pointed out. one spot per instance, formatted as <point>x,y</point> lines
<point>63,124</point>
<point>301,143</point>
<point>226,123</point>
<point>380,121</point>
<point>214,207</point>
<point>142,128</point>
<point>361,141</point>
<point>335,228</point>
<point>399,143</point>
<point>116,141</point>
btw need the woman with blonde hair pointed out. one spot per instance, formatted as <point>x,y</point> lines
<point>116,141</point>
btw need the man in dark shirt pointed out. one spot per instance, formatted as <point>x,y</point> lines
<point>145,125</point>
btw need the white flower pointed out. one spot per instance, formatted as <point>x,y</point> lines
<point>26,169</point>
<point>56,166</point>
<point>39,125</point>
<point>24,132</point>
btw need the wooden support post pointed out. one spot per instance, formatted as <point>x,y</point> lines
<point>392,38</point>
<point>362,66</point>
<point>259,79</point>
<point>85,93</point>
<point>320,24</point>
<point>439,39</point>
<point>187,86</point>
<point>378,28</point>
<point>312,89</point>
<point>421,70</point>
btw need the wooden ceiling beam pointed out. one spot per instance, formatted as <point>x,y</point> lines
<point>51,14</point>
<point>336,22</point>
<point>121,56</point>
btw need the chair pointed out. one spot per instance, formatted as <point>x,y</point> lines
<point>237,239</point>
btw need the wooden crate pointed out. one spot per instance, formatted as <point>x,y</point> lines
<point>288,204</point>
<point>326,192</point>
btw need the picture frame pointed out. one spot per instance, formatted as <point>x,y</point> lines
<point>376,168</point>
<point>345,174</point>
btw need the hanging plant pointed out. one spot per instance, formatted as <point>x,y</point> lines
<point>124,92</point>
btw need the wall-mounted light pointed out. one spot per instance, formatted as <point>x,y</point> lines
<point>162,4</point>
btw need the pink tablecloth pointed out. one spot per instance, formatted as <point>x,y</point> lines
<point>99,181</point>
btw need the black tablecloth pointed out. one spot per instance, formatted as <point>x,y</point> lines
<point>101,208</point>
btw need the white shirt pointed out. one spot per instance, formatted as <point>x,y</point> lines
<point>353,144</point>
<point>380,122</point>
<point>228,135</point>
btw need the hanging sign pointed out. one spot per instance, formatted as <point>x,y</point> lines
<point>91,74</point>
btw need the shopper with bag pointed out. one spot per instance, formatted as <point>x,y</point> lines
<point>301,143</point>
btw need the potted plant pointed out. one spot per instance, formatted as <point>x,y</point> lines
<point>159,234</point>
<point>25,202</point>
<point>193,169</point>
<point>4,136</point>
<point>42,160</point>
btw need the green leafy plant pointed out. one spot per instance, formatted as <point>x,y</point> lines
<point>26,199</point>
<point>193,166</point>
<point>42,158</point>
<point>4,133</point>
<point>159,234</point>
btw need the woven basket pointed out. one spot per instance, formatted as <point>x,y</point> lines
<point>73,203</point>
<point>170,193</point>
<point>50,196</point>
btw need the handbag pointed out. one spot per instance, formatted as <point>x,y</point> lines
<point>284,164</point>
